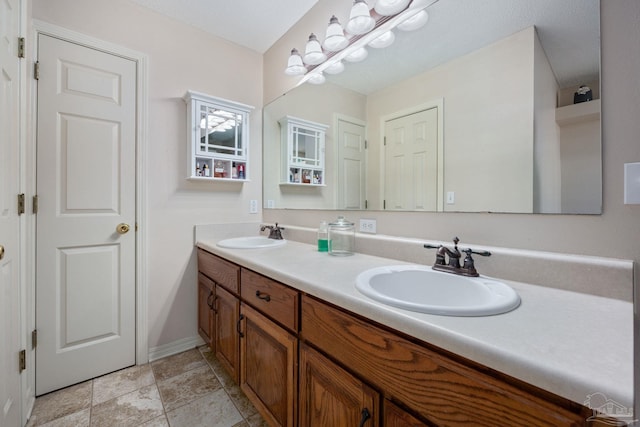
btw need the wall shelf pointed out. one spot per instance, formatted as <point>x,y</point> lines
<point>218,135</point>
<point>576,113</point>
<point>302,152</point>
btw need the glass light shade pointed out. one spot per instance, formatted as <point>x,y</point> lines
<point>414,22</point>
<point>357,55</point>
<point>316,79</point>
<point>360,20</point>
<point>370,3</point>
<point>335,39</point>
<point>385,39</point>
<point>335,68</point>
<point>313,54</point>
<point>294,65</point>
<point>391,7</point>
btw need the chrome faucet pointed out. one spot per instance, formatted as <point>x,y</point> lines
<point>453,264</point>
<point>275,232</point>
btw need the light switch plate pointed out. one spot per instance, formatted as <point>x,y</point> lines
<point>632,183</point>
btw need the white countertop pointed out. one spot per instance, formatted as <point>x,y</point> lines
<point>568,343</point>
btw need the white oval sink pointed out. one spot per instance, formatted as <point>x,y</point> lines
<point>250,242</point>
<point>420,288</point>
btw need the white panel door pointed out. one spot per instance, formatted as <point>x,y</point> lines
<point>351,165</point>
<point>10,326</point>
<point>411,161</point>
<point>86,149</point>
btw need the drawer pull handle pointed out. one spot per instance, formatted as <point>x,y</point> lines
<point>209,300</point>
<point>240,334</point>
<point>365,416</point>
<point>265,297</point>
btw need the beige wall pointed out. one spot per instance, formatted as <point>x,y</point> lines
<point>483,91</point>
<point>610,234</point>
<point>546,145</point>
<point>180,58</point>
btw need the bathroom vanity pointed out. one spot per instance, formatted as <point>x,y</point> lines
<point>308,349</point>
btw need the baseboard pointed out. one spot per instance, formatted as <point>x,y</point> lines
<point>175,347</point>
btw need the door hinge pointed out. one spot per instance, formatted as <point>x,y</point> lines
<point>36,70</point>
<point>34,339</point>
<point>21,47</point>
<point>20,204</point>
<point>22,360</point>
<point>35,204</point>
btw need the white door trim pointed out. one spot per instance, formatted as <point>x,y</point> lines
<point>142,346</point>
<point>434,103</point>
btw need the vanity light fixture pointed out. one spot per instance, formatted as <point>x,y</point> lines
<point>335,39</point>
<point>386,39</point>
<point>390,7</point>
<point>335,68</point>
<point>357,55</point>
<point>365,29</point>
<point>313,54</point>
<point>295,67</point>
<point>360,19</point>
<point>414,22</point>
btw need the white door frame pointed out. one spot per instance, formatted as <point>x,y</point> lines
<point>39,27</point>
<point>434,103</point>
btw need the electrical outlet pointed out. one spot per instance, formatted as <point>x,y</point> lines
<point>253,207</point>
<point>368,226</point>
<point>451,197</point>
<point>271,204</point>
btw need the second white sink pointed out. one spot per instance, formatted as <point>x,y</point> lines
<point>250,242</point>
<point>420,288</point>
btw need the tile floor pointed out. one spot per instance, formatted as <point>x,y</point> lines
<point>188,389</point>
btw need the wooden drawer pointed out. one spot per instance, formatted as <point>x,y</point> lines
<point>442,390</point>
<point>274,299</point>
<point>224,273</point>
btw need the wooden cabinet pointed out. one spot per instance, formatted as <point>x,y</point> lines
<point>227,308</point>
<point>330,396</point>
<point>436,387</point>
<point>269,368</point>
<point>304,362</point>
<point>396,417</point>
<point>206,316</point>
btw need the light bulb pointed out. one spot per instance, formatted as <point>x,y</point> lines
<point>316,79</point>
<point>335,68</point>
<point>384,40</point>
<point>335,39</point>
<point>360,20</point>
<point>414,22</point>
<point>390,7</point>
<point>357,55</point>
<point>313,54</point>
<point>294,65</point>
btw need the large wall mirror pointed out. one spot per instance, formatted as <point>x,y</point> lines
<point>474,112</point>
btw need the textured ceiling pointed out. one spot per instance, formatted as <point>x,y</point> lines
<point>256,24</point>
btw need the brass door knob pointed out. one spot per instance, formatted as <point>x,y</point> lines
<point>1,251</point>
<point>122,228</point>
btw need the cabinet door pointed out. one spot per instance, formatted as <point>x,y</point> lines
<point>330,396</point>
<point>227,308</point>
<point>268,373</point>
<point>396,417</point>
<point>206,319</point>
